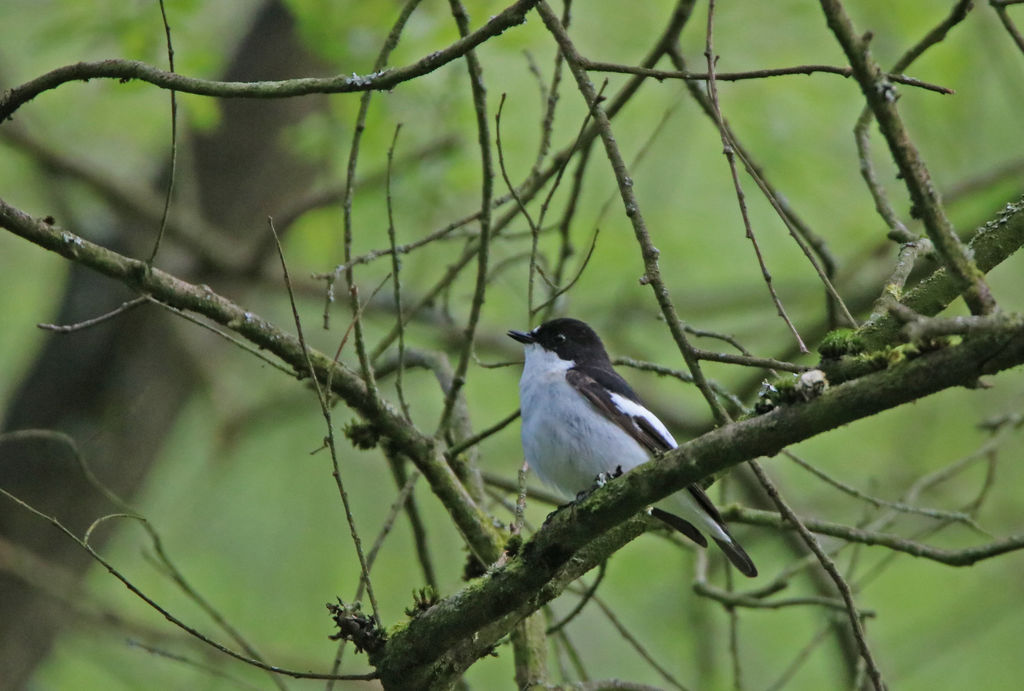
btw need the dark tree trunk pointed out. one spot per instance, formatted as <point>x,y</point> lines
<point>117,388</point>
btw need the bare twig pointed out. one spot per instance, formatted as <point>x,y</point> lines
<point>126,70</point>
<point>652,272</point>
<point>841,585</point>
<point>247,347</point>
<point>642,365</point>
<point>212,670</point>
<point>325,409</point>
<point>824,264</point>
<point>395,274</point>
<point>897,230</point>
<point>166,614</point>
<point>1000,7</point>
<point>881,97</point>
<point>967,556</point>
<point>534,228</point>
<point>70,328</point>
<point>639,647</point>
<point>596,66</point>
<point>741,200</point>
<point>470,442</point>
<point>587,595</point>
<point>486,194</point>
<point>955,516</point>
<point>171,175</point>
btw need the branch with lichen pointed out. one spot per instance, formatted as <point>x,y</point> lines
<point>447,637</point>
<point>567,536</point>
<point>383,421</point>
<point>127,70</point>
<point>881,98</point>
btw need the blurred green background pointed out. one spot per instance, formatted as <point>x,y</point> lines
<point>252,517</point>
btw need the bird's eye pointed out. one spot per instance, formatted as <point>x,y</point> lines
<point>560,338</point>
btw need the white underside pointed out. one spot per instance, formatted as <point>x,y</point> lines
<point>567,442</point>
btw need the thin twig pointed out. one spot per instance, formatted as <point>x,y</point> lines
<point>841,585</point>
<point>652,271</point>
<point>212,670</point>
<point>486,193</point>
<point>1000,7</point>
<point>223,334</point>
<point>537,493</point>
<point>439,234</point>
<point>587,596</point>
<point>881,96</point>
<point>897,230</point>
<point>609,613</point>
<point>397,505</point>
<point>642,365</point>
<point>800,658</point>
<point>395,268</point>
<point>751,361</point>
<point>954,516</point>
<point>174,140</point>
<point>534,229</point>
<point>733,600</point>
<point>798,228</point>
<point>741,200</point>
<point>562,290</point>
<point>547,124</point>
<point>558,291</point>
<point>325,409</point>
<point>470,442</point>
<point>597,66</point>
<point>54,521</point>
<point>416,523</point>
<point>535,183</point>
<point>78,326</point>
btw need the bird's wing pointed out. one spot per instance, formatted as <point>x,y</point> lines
<point>613,398</point>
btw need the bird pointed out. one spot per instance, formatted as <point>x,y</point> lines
<point>580,419</point>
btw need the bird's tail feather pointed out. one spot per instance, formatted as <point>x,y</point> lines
<point>738,556</point>
<point>680,524</point>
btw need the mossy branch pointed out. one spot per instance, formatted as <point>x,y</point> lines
<point>424,451</point>
<point>420,650</point>
<point>992,244</point>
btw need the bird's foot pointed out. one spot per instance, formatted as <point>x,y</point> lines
<point>600,481</point>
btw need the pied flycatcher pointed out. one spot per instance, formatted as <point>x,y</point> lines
<point>581,418</point>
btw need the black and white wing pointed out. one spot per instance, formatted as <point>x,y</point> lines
<point>612,396</point>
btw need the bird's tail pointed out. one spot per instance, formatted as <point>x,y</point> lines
<point>738,556</point>
<point>732,549</point>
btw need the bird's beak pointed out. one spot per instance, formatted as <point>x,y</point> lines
<point>522,337</point>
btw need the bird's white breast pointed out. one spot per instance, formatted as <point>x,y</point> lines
<point>566,441</point>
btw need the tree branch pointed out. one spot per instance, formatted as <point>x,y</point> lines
<point>567,536</point>
<point>126,70</point>
<point>881,96</point>
<point>425,452</point>
<point>449,636</point>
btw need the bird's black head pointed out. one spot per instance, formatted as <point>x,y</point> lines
<point>570,339</point>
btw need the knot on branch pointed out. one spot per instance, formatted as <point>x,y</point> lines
<point>789,389</point>
<point>355,626</point>
<point>422,600</point>
<point>362,435</point>
<point>835,344</point>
